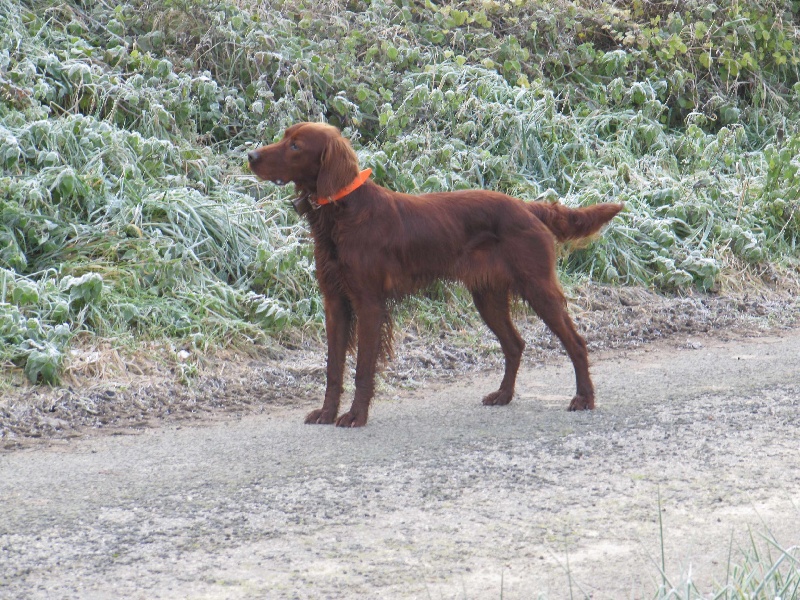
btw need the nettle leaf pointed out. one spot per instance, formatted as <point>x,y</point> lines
<point>43,365</point>
<point>66,182</point>
<point>83,290</point>
<point>128,311</point>
<point>59,311</point>
<point>272,314</point>
<point>614,62</point>
<point>24,293</point>
<point>391,52</point>
<point>459,17</point>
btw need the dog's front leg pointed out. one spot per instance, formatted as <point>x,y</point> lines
<point>370,319</point>
<point>338,327</point>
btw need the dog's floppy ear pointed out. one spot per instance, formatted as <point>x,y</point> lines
<point>338,166</point>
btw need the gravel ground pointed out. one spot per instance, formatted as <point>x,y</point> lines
<point>107,392</point>
<point>438,497</point>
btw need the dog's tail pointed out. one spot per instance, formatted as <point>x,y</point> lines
<point>574,223</point>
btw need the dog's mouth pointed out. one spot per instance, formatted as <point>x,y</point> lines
<point>279,182</point>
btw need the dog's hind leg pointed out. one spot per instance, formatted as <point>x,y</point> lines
<point>494,307</point>
<point>549,303</point>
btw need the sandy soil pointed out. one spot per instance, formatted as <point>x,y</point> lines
<point>438,497</point>
<point>106,391</point>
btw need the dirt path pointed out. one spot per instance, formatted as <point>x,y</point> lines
<point>438,497</point>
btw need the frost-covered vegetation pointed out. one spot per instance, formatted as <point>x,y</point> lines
<point>126,210</point>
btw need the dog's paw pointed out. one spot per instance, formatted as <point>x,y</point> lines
<point>581,403</point>
<point>320,417</point>
<point>498,398</point>
<point>351,419</point>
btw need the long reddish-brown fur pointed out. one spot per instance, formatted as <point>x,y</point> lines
<point>374,246</point>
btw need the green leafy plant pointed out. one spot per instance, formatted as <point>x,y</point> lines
<point>126,210</point>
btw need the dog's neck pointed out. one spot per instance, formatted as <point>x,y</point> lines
<point>346,190</point>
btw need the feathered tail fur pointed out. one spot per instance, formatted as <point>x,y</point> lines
<point>574,223</point>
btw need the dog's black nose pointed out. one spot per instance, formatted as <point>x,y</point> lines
<point>252,157</point>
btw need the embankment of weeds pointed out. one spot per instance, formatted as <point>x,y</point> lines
<point>126,211</point>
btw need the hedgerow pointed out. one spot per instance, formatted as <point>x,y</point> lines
<point>126,210</point>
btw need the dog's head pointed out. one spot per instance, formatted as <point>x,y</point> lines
<point>313,156</point>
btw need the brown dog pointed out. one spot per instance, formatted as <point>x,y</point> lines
<point>373,245</point>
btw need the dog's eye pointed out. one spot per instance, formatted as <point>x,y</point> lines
<point>294,146</point>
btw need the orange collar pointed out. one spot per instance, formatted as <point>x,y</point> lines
<point>351,187</point>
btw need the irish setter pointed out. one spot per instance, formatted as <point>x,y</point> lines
<point>373,246</point>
